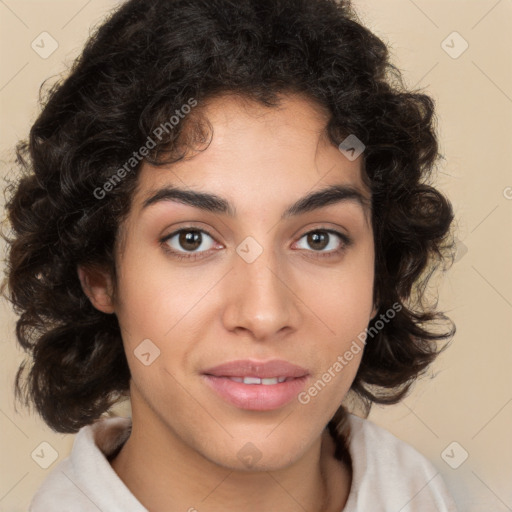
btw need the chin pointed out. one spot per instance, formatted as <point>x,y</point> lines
<point>258,453</point>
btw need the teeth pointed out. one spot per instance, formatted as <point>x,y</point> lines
<point>252,380</point>
<point>257,380</point>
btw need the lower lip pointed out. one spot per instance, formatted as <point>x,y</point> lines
<point>256,397</point>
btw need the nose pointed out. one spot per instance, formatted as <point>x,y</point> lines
<point>260,298</point>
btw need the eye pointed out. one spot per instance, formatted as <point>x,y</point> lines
<point>187,240</point>
<point>326,241</point>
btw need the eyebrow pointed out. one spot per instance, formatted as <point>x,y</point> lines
<point>216,204</point>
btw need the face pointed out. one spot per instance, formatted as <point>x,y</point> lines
<point>247,277</point>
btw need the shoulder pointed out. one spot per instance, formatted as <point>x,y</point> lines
<point>390,472</point>
<point>58,490</point>
<point>85,481</point>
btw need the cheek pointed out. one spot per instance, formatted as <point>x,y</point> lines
<point>344,305</point>
<point>343,301</point>
<point>343,298</point>
<point>154,294</point>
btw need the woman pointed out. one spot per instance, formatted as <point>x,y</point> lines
<point>225,217</point>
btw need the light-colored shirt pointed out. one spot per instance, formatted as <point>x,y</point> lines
<point>388,475</point>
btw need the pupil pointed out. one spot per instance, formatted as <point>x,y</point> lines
<point>314,238</point>
<point>190,240</point>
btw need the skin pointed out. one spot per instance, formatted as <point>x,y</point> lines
<point>288,304</point>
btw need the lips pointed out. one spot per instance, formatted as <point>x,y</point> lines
<point>257,369</point>
<point>255,385</point>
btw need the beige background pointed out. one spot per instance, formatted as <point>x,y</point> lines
<point>470,399</point>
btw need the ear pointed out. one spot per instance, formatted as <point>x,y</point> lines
<point>374,312</point>
<point>97,285</point>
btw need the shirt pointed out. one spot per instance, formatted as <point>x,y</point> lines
<point>388,474</point>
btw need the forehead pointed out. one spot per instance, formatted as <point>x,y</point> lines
<point>257,154</point>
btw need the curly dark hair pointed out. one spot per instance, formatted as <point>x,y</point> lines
<point>137,69</point>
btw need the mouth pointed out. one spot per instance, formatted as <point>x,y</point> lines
<point>257,380</point>
<point>257,386</point>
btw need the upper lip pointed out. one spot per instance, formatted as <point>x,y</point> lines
<point>260,369</point>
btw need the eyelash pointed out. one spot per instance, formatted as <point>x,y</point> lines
<point>346,243</point>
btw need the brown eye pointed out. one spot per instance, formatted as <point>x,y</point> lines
<point>188,240</point>
<point>321,239</point>
<point>318,240</point>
